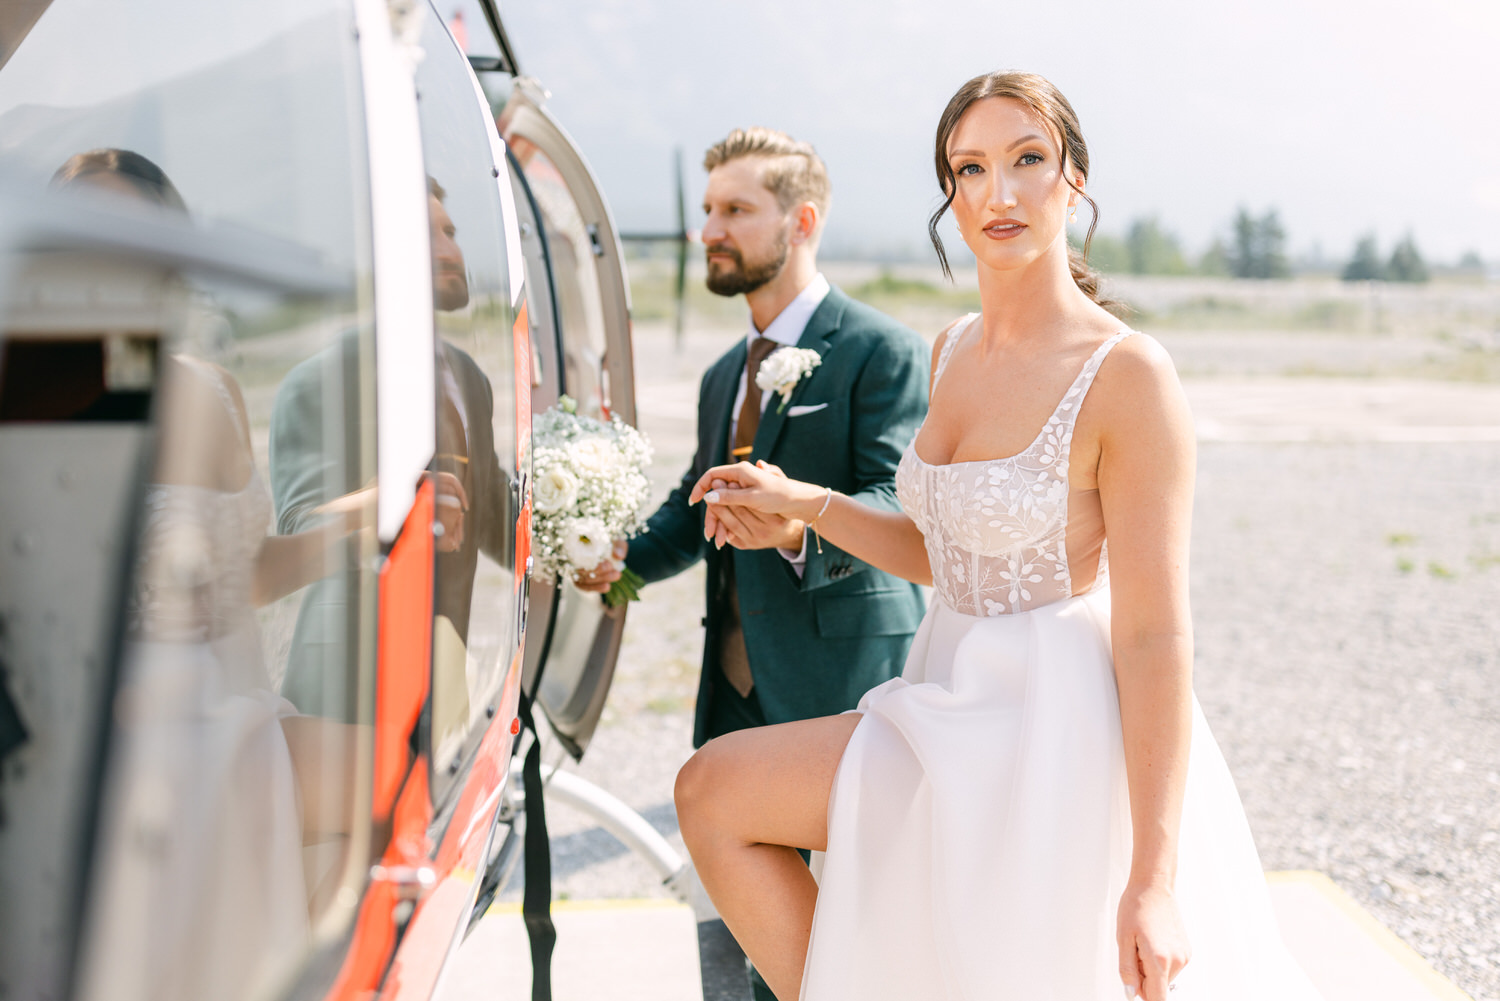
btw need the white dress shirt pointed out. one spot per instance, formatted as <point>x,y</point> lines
<point>786,329</point>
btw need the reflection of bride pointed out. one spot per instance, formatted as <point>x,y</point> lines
<point>215,782</point>
<point>204,887</point>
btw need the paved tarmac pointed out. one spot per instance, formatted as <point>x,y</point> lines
<point>654,950</point>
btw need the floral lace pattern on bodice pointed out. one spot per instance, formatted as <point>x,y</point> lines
<point>997,530</point>
<point>198,551</point>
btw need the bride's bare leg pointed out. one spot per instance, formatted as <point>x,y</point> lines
<point>745,802</point>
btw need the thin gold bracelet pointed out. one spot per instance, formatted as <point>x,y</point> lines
<point>827,499</point>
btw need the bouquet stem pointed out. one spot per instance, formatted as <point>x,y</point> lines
<point>624,590</point>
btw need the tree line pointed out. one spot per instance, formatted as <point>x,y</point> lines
<point>1254,247</point>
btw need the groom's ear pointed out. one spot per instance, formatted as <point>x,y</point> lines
<point>805,222</point>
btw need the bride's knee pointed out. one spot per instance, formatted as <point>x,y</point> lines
<point>700,787</point>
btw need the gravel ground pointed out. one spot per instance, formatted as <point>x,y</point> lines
<point>1348,649</point>
<point>1348,652</point>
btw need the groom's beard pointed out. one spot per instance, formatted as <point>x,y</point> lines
<point>742,277</point>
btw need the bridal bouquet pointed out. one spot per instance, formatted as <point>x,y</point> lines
<point>589,488</point>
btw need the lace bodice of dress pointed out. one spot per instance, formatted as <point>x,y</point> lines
<point>998,531</point>
<point>198,550</point>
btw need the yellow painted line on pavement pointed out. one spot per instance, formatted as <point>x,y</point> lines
<point>1440,986</point>
<point>624,904</point>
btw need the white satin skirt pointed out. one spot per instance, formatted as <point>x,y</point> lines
<point>979,831</point>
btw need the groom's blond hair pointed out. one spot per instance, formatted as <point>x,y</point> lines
<point>794,172</point>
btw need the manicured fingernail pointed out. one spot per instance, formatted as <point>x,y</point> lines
<point>712,497</point>
<point>1129,993</point>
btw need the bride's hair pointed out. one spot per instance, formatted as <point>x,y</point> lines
<point>1038,94</point>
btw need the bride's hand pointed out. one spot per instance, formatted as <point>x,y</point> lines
<point>762,487</point>
<point>1153,944</point>
<point>747,529</point>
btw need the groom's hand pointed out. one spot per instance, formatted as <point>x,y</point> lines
<point>599,579</point>
<point>748,529</point>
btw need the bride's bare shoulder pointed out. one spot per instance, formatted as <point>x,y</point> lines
<point>951,330</point>
<point>1137,381</point>
<point>1136,359</point>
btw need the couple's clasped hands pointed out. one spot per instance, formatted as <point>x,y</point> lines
<point>748,506</point>
<point>755,506</point>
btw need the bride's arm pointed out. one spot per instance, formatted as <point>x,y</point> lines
<point>887,540</point>
<point>1146,459</point>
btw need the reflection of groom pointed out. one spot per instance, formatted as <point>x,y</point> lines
<point>472,488</point>
<point>796,633</point>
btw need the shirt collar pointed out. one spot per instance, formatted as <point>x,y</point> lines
<point>790,322</point>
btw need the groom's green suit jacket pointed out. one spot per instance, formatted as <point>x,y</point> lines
<point>817,642</point>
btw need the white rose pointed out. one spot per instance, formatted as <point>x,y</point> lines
<point>554,490</point>
<point>781,372</point>
<point>593,454</point>
<point>586,543</point>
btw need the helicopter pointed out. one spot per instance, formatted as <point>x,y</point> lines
<point>281,287</point>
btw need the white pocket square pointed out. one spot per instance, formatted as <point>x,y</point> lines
<point>800,410</point>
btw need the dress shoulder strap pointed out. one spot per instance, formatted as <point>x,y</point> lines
<point>1072,401</point>
<point>218,378</point>
<point>1091,367</point>
<point>956,332</point>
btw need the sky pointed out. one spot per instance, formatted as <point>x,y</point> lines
<point>1345,117</point>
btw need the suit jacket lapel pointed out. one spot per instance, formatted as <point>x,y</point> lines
<point>719,401</point>
<point>821,327</point>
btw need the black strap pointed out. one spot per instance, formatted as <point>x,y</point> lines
<point>536,905</point>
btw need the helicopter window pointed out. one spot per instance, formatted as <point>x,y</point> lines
<point>471,30</point>
<point>229,359</point>
<point>571,244</point>
<point>474,626</point>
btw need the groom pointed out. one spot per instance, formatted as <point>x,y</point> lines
<point>792,632</point>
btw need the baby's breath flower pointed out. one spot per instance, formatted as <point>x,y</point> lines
<point>589,489</point>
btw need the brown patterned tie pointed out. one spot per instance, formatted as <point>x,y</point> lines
<point>734,659</point>
<point>749,420</point>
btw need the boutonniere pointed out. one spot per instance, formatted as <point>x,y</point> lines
<point>786,367</point>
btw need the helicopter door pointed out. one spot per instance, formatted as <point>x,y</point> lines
<point>585,352</point>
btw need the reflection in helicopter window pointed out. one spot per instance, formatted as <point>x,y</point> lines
<point>474,636</point>
<point>228,819</point>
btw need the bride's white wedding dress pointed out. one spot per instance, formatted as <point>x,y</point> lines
<point>979,830</point>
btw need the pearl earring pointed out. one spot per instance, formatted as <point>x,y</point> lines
<point>1073,216</point>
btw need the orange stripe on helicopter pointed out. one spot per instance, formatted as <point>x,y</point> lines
<point>401,794</point>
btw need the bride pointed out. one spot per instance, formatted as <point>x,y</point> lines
<point>1036,807</point>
